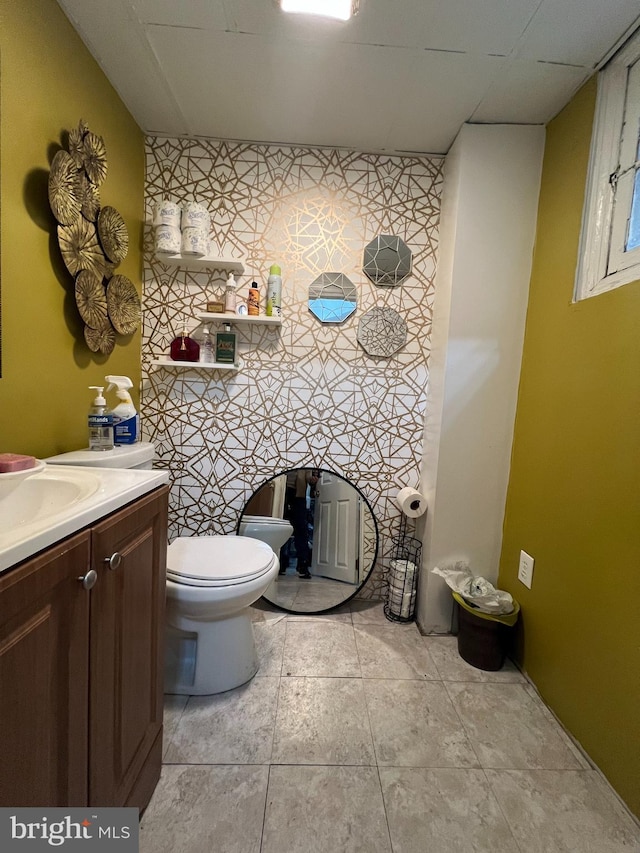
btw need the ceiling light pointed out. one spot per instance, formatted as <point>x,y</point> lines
<point>340,9</point>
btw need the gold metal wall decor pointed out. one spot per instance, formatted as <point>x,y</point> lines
<point>89,198</point>
<point>91,300</point>
<point>123,304</point>
<point>64,188</point>
<point>113,234</point>
<point>79,247</point>
<point>100,340</point>
<point>93,241</point>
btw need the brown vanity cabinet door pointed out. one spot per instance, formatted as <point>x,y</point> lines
<point>127,653</point>
<point>44,658</point>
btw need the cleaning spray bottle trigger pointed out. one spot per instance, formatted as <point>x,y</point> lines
<point>125,418</point>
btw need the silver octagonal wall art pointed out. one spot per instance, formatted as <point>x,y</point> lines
<point>332,297</point>
<point>382,332</point>
<point>387,260</point>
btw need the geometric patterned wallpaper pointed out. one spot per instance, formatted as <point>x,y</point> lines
<point>307,394</point>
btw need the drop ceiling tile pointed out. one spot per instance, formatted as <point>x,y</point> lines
<point>121,49</point>
<point>577,31</point>
<point>206,14</point>
<point>530,93</point>
<point>492,26</point>
<point>313,94</point>
<point>443,91</point>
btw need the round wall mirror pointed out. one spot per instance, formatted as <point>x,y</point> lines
<point>322,528</point>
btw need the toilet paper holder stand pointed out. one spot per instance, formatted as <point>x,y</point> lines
<point>404,567</point>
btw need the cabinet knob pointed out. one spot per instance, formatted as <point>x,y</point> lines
<point>88,581</point>
<point>114,561</point>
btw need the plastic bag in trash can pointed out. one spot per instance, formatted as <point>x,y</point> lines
<point>476,590</point>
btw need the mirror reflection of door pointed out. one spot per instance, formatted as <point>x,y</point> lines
<point>334,541</point>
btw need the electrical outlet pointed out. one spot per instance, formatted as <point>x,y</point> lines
<point>525,569</point>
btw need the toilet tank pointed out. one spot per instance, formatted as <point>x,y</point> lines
<point>138,455</point>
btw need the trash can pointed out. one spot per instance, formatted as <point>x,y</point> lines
<point>483,637</point>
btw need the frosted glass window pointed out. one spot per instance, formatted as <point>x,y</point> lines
<point>610,241</point>
<point>633,241</point>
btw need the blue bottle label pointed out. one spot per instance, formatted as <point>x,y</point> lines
<point>125,431</point>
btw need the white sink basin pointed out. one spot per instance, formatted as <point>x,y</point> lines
<point>34,499</point>
<point>44,507</point>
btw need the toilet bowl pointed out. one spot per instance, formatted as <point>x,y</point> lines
<point>274,531</point>
<point>211,582</point>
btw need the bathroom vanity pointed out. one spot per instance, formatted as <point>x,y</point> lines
<point>81,660</point>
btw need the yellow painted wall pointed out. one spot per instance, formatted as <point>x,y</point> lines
<point>574,494</point>
<point>48,82</point>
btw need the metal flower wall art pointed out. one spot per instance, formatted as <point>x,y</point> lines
<point>93,241</point>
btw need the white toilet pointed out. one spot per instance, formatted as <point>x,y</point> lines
<point>273,531</point>
<point>211,582</point>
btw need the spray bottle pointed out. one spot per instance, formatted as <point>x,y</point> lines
<point>125,418</point>
<point>274,292</point>
<point>100,422</point>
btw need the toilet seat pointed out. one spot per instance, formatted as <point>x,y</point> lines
<point>217,561</point>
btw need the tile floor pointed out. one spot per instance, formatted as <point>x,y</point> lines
<point>359,735</point>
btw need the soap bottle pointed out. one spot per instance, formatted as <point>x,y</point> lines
<point>184,348</point>
<point>100,423</point>
<point>226,346</point>
<point>207,352</point>
<point>253,300</point>
<point>126,422</point>
<point>274,292</point>
<point>230,295</point>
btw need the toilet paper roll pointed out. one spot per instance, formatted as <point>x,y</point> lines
<point>411,502</point>
<point>195,241</point>
<point>195,215</point>
<point>167,240</point>
<point>167,213</point>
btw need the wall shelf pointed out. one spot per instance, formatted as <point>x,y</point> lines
<point>239,319</point>
<point>191,262</point>
<point>191,365</point>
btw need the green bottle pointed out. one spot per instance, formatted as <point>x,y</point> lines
<point>226,346</point>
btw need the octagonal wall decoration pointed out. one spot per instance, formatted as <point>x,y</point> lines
<point>382,332</point>
<point>332,297</point>
<point>387,260</point>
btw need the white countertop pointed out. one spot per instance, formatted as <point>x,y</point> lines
<point>60,500</point>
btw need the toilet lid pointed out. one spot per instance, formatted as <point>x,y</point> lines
<point>217,560</point>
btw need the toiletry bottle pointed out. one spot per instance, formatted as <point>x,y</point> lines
<point>184,348</point>
<point>253,300</point>
<point>126,422</point>
<point>207,351</point>
<point>274,292</point>
<point>100,422</point>
<point>230,295</point>
<point>226,346</point>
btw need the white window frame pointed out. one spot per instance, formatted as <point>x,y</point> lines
<point>601,227</point>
